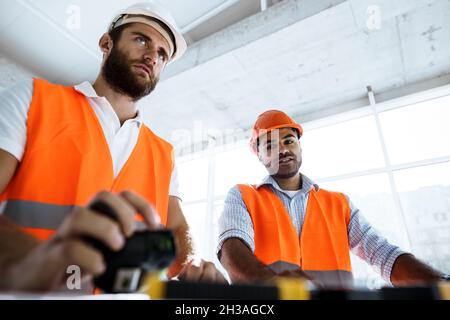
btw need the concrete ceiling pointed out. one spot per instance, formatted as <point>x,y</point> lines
<point>308,68</point>
<point>59,39</point>
<point>304,56</point>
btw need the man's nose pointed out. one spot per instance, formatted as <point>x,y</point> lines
<point>152,57</point>
<point>283,150</point>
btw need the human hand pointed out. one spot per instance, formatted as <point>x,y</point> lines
<point>44,268</point>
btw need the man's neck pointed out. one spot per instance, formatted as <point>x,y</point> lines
<point>290,184</point>
<point>124,107</point>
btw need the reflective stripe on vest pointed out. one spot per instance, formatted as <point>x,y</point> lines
<point>67,161</point>
<point>322,249</point>
<point>40,219</point>
<point>29,214</point>
<point>330,278</point>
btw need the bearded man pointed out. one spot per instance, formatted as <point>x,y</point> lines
<point>61,147</point>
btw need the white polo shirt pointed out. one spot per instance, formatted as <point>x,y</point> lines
<point>15,103</point>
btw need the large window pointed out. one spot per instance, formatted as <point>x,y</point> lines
<point>236,166</point>
<point>425,198</point>
<point>342,148</point>
<point>418,132</point>
<point>393,162</point>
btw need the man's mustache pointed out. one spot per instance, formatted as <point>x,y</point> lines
<point>143,62</point>
<point>286,155</point>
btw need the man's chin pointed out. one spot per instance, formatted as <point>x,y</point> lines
<point>143,87</point>
<point>142,79</point>
<point>145,83</point>
<point>284,172</point>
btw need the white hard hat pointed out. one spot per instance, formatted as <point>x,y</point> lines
<point>160,19</point>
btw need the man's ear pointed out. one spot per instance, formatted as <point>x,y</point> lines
<point>105,43</point>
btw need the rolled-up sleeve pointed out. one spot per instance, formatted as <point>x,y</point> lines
<point>235,221</point>
<point>14,106</point>
<point>366,243</point>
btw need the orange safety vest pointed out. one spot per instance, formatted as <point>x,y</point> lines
<point>322,250</point>
<point>67,161</point>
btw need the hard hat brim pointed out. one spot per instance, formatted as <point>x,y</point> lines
<point>180,42</point>
<point>255,137</point>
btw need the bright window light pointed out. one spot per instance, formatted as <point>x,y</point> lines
<point>425,197</point>
<point>237,166</point>
<point>417,132</point>
<point>342,148</point>
<point>195,216</point>
<point>193,178</point>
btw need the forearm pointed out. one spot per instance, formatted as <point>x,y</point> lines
<point>14,246</point>
<point>241,264</point>
<point>408,270</point>
<point>177,223</point>
<point>184,250</point>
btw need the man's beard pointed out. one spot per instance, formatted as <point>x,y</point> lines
<point>287,175</point>
<point>278,172</point>
<point>118,74</point>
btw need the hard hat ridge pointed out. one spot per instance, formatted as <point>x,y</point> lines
<point>158,17</point>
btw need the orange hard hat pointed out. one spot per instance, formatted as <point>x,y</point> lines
<point>271,120</point>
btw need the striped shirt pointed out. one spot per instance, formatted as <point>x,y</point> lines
<point>364,240</point>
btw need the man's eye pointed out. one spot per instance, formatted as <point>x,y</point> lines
<point>141,41</point>
<point>163,56</point>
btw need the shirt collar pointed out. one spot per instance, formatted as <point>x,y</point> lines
<point>307,184</point>
<point>86,89</point>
